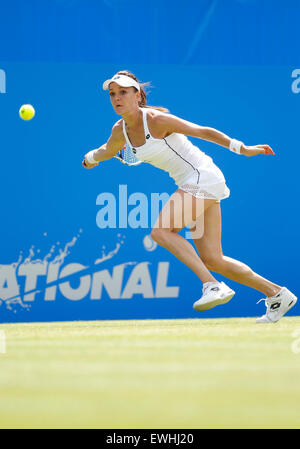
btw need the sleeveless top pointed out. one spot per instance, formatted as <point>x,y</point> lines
<point>174,154</point>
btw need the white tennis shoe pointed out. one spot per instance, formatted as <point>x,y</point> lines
<point>214,294</point>
<point>277,306</point>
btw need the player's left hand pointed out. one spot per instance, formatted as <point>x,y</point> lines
<point>256,149</point>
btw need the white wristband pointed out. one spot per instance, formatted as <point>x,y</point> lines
<point>90,157</point>
<point>235,146</point>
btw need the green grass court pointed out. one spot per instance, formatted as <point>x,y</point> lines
<point>153,374</point>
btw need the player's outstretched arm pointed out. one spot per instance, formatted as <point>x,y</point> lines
<point>173,124</point>
<point>106,151</point>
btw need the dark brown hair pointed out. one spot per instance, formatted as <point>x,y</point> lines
<point>143,102</point>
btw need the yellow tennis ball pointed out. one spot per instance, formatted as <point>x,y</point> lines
<point>27,112</point>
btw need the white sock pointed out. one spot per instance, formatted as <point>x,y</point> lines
<point>279,292</point>
<point>210,284</point>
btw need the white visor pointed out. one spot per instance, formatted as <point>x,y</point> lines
<point>122,80</point>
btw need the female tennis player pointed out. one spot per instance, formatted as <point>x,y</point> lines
<point>159,138</point>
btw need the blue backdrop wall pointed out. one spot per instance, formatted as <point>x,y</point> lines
<point>230,64</point>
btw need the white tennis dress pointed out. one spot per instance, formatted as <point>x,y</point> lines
<point>192,170</point>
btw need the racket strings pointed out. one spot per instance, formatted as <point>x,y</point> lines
<point>127,155</point>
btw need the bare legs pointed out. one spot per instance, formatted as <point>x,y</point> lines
<point>210,249</point>
<point>208,245</point>
<point>165,233</point>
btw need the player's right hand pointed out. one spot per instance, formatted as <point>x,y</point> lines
<point>87,165</point>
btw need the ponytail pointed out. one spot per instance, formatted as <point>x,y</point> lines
<point>143,102</point>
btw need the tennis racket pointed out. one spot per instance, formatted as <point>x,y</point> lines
<point>127,157</point>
